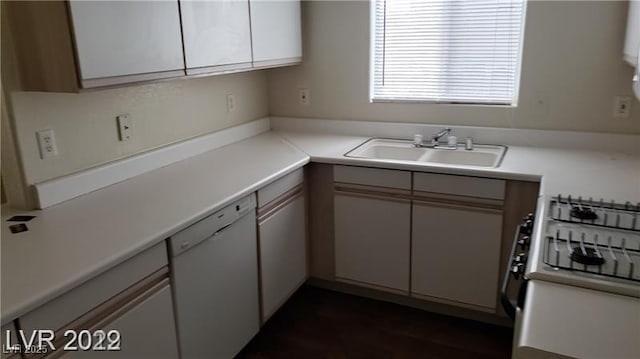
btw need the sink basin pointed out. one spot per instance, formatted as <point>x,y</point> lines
<point>404,150</point>
<point>476,157</point>
<point>389,150</point>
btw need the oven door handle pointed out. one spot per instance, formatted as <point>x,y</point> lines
<point>508,304</point>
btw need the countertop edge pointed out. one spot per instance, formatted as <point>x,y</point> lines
<point>12,313</point>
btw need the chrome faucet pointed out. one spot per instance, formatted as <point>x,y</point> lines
<point>435,140</point>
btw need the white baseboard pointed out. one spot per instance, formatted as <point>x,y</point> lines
<point>54,191</point>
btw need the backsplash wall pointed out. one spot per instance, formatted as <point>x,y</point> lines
<point>162,113</point>
<point>572,59</point>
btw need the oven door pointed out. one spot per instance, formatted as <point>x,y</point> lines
<point>514,283</point>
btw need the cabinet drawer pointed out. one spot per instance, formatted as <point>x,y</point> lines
<point>459,185</point>
<point>69,306</point>
<point>372,177</point>
<point>150,321</point>
<point>280,186</point>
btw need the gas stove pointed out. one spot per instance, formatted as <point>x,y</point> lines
<point>587,243</point>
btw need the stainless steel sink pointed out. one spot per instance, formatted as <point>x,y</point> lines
<point>404,150</point>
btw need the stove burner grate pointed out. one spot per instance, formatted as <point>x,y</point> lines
<point>591,257</point>
<point>595,213</point>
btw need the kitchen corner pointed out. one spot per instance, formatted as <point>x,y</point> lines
<point>343,179</point>
<point>74,241</point>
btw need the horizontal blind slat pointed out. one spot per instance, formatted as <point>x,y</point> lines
<point>447,50</point>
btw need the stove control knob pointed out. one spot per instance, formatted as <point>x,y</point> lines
<point>517,270</point>
<point>524,242</point>
<point>519,258</point>
<point>526,227</point>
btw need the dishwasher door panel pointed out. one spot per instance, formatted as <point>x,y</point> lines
<point>216,292</point>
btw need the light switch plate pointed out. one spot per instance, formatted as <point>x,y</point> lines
<point>124,127</point>
<point>231,103</point>
<point>47,143</point>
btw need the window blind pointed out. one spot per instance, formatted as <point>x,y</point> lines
<point>449,51</point>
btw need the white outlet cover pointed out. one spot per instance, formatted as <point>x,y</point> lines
<point>621,107</point>
<point>124,127</point>
<point>304,96</point>
<point>231,103</point>
<point>47,143</point>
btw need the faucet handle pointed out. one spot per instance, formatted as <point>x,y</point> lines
<point>417,139</point>
<point>468,143</point>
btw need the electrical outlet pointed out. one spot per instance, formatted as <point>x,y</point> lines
<point>304,97</point>
<point>124,127</point>
<point>231,103</point>
<point>47,143</point>
<point>621,107</point>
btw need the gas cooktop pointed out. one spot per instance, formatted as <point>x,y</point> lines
<point>587,243</point>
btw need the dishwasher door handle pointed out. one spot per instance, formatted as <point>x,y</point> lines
<point>186,244</point>
<point>221,229</point>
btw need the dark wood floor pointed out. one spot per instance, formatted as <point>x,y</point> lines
<point>318,323</point>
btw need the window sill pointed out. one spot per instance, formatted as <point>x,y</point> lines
<point>431,102</point>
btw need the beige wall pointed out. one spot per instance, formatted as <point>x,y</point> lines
<point>572,58</point>
<point>85,124</point>
<point>86,129</point>
<point>572,55</point>
<point>13,183</point>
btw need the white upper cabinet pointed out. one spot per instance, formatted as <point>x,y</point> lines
<point>123,38</point>
<point>216,33</point>
<point>276,31</point>
<point>67,46</point>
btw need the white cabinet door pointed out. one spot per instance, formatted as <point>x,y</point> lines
<point>146,331</point>
<point>215,33</point>
<point>283,255</point>
<point>372,241</point>
<point>276,30</point>
<point>456,253</point>
<point>120,38</point>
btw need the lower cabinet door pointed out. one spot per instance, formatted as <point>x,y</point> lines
<point>372,241</point>
<point>456,254</point>
<point>283,254</point>
<point>146,331</point>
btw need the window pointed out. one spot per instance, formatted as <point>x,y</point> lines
<point>447,51</point>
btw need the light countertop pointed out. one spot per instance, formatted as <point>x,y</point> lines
<point>606,174</point>
<point>74,241</point>
<point>560,321</point>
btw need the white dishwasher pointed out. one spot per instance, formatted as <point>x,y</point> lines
<point>215,282</point>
